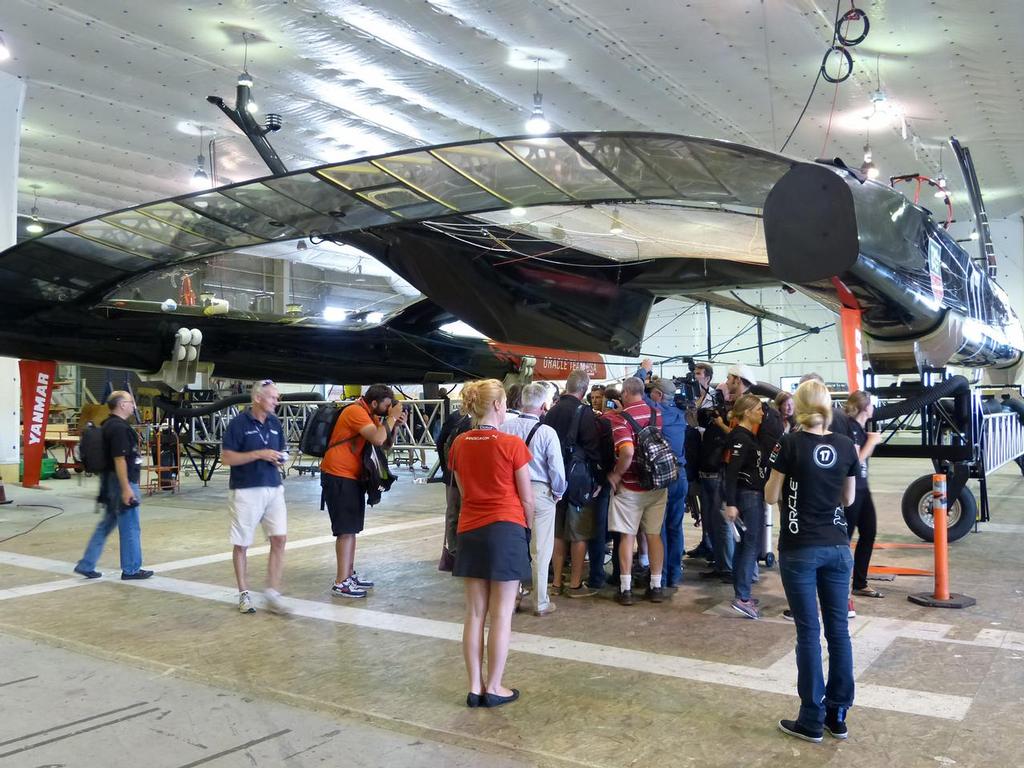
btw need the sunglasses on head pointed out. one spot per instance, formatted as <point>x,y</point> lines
<point>267,383</point>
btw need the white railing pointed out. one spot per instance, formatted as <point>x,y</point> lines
<point>1002,440</point>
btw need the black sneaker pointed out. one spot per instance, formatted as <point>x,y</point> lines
<point>625,598</point>
<point>711,574</point>
<point>139,574</point>
<point>700,551</point>
<point>835,723</point>
<point>793,728</point>
<point>655,594</point>
<point>788,615</point>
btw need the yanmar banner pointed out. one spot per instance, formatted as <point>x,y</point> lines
<point>36,389</point>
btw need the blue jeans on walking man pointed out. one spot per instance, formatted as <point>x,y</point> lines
<point>809,574</point>
<point>711,510</point>
<point>672,532</point>
<point>128,528</point>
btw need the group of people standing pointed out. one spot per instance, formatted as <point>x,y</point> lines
<point>815,475</point>
<point>513,486</point>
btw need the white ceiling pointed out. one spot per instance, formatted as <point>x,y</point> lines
<point>110,84</point>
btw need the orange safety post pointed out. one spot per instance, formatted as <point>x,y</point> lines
<point>941,597</point>
<point>941,537</point>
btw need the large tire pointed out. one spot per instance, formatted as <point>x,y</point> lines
<point>917,511</point>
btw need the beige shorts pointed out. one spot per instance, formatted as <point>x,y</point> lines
<point>629,509</point>
<point>251,506</point>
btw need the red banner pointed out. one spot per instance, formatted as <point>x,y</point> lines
<point>852,350</point>
<point>36,389</point>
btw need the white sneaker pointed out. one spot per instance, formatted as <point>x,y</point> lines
<point>245,603</point>
<point>274,602</point>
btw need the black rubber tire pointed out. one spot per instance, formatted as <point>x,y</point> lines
<point>769,560</point>
<point>961,513</point>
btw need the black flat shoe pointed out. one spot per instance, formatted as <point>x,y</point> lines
<point>494,700</point>
<point>474,700</point>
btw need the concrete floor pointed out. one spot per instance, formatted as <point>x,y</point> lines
<point>165,672</point>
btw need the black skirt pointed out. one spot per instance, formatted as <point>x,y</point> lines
<point>495,552</point>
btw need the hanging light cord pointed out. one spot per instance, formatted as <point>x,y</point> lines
<point>835,30</point>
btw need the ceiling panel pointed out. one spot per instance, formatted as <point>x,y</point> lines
<point>111,83</point>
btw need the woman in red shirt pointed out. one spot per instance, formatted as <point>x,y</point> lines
<point>493,475</point>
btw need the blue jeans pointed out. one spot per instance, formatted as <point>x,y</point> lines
<point>128,529</point>
<point>810,573</point>
<point>672,532</point>
<point>711,511</point>
<point>744,561</point>
<point>599,541</point>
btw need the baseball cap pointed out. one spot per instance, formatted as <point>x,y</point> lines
<point>667,386</point>
<point>744,372</point>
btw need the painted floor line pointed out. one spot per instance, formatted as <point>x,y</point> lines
<point>39,589</point>
<point>908,701</point>
<point>220,557</point>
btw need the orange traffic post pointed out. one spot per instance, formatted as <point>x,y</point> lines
<point>941,597</point>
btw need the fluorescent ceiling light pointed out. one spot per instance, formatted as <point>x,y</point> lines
<point>517,211</point>
<point>5,52</point>
<point>375,317</point>
<point>334,314</point>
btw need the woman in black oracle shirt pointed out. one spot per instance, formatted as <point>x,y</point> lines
<point>744,498</point>
<point>813,475</point>
<point>861,514</point>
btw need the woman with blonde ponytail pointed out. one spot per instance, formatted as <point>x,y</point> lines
<point>813,477</point>
<point>492,471</point>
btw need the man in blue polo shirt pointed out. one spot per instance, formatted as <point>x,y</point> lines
<point>254,448</point>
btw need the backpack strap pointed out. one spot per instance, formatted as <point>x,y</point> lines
<point>574,427</point>
<point>533,432</point>
<point>336,443</point>
<point>632,423</point>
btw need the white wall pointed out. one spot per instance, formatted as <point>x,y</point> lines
<point>686,335</point>
<point>734,337</point>
<point>12,99</point>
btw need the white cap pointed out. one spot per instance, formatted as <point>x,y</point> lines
<point>744,372</point>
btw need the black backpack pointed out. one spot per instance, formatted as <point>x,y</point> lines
<point>377,477</point>
<point>316,433</point>
<point>92,449</point>
<point>655,461</point>
<point>579,480</point>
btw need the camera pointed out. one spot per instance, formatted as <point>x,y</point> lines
<point>689,388</point>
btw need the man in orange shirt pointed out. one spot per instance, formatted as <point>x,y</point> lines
<point>371,419</point>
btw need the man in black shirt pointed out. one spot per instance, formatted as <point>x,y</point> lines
<point>119,493</point>
<point>575,527</point>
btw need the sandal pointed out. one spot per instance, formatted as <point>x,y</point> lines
<point>867,592</point>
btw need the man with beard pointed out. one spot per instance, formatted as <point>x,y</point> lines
<point>371,419</point>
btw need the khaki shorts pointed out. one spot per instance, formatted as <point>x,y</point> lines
<point>629,509</point>
<point>572,524</point>
<point>252,506</point>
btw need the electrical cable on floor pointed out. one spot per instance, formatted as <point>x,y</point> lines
<point>27,506</point>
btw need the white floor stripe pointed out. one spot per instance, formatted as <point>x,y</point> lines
<point>36,563</point>
<point>768,680</point>
<point>220,557</point>
<point>1001,527</point>
<point>47,586</point>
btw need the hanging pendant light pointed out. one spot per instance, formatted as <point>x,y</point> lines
<point>537,124</point>
<point>35,227</point>
<point>200,179</point>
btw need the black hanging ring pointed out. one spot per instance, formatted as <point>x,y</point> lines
<point>849,64</point>
<point>852,15</point>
